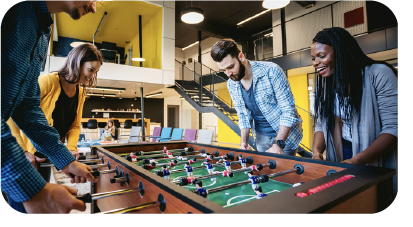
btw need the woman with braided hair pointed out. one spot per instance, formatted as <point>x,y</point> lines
<point>355,103</point>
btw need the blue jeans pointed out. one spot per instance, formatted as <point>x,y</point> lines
<point>264,143</point>
<point>347,149</point>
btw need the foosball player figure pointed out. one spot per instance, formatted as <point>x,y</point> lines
<point>209,158</point>
<point>188,169</point>
<point>150,166</point>
<point>258,192</point>
<point>166,173</point>
<point>243,162</point>
<point>253,179</point>
<point>209,167</point>
<point>227,173</point>
<point>180,157</point>
<point>170,155</point>
<point>151,160</point>
<point>165,150</point>
<point>227,164</point>
<point>201,191</point>
<point>173,163</point>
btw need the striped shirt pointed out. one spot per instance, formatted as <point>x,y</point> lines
<point>25,31</point>
<point>273,96</point>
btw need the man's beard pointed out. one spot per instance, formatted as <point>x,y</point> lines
<point>241,72</point>
<point>75,15</point>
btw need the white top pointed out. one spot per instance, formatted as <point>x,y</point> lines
<point>346,122</point>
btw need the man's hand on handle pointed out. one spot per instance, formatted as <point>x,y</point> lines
<point>81,172</point>
<point>54,198</point>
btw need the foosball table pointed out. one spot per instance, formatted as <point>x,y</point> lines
<point>183,177</point>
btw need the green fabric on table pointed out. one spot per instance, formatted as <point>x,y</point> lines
<point>244,193</point>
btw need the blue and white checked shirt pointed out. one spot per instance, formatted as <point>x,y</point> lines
<point>24,42</point>
<point>273,96</point>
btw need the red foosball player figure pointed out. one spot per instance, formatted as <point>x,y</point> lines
<point>200,190</point>
<point>165,150</point>
<point>258,192</point>
<point>227,174</point>
<point>150,166</point>
<point>173,163</point>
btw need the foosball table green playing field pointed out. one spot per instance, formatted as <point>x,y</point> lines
<point>183,177</point>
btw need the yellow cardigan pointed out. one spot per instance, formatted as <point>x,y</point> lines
<point>50,91</point>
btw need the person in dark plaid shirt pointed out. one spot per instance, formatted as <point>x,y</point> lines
<point>262,98</point>
<point>25,31</point>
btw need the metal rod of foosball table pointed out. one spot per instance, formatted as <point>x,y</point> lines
<point>139,153</point>
<point>263,178</point>
<point>212,175</point>
<point>159,203</point>
<point>161,155</point>
<point>88,198</point>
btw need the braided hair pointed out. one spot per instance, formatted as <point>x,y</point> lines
<point>347,79</point>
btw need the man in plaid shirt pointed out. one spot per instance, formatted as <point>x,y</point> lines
<point>262,98</point>
<point>25,30</point>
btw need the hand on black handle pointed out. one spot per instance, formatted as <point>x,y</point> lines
<point>87,198</point>
<point>82,157</point>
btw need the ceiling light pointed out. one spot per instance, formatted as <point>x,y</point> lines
<point>100,94</point>
<point>151,95</point>
<point>108,89</point>
<point>257,15</point>
<point>76,44</point>
<point>192,15</point>
<point>138,59</point>
<point>274,4</point>
<point>190,45</point>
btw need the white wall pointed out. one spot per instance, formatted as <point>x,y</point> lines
<point>301,31</point>
<point>206,46</point>
<point>173,100</point>
<point>179,55</point>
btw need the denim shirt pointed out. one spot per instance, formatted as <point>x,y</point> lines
<point>25,30</point>
<point>273,96</point>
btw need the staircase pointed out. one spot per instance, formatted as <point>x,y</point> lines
<point>200,92</point>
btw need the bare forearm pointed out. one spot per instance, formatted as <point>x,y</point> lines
<point>245,134</point>
<point>283,133</point>
<point>319,144</point>
<point>381,145</point>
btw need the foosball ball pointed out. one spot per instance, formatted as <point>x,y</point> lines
<point>183,177</point>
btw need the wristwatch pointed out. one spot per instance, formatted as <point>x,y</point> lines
<point>280,143</point>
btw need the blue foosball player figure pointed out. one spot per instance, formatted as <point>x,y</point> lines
<point>253,179</point>
<point>201,191</point>
<point>258,192</point>
<point>188,169</point>
<point>166,173</point>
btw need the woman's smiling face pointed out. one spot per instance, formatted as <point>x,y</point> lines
<point>88,71</point>
<point>323,59</point>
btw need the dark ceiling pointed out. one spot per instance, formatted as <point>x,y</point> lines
<point>220,20</point>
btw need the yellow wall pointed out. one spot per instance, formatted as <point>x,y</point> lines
<point>299,89</point>
<point>151,44</point>
<point>226,135</point>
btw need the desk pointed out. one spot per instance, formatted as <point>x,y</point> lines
<point>121,120</point>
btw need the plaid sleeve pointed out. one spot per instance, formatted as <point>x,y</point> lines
<point>19,179</point>
<point>284,96</point>
<point>30,118</point>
